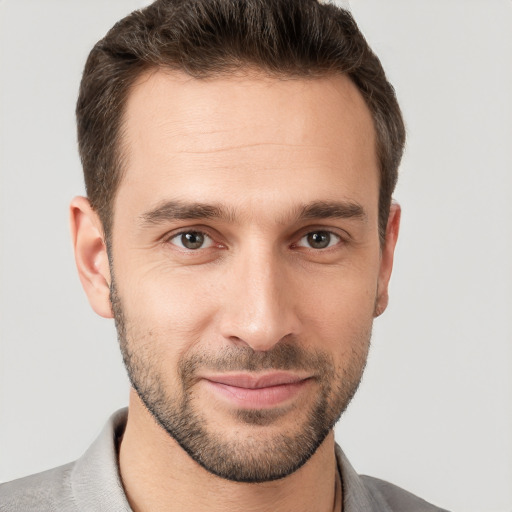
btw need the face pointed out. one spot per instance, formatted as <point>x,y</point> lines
<point>245,263</point>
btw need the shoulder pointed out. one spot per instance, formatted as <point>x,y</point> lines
<point>90,483</point>
<point>396,498</point>
<point>42,492</point>
<point>374,495</point>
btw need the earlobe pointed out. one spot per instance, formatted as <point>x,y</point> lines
<point>91,255</point>
<point>387,256</point>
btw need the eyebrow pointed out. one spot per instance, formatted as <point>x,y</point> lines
<point>333,210</point>
<point>179,210</point>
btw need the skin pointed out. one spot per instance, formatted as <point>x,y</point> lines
<point>262,149</point>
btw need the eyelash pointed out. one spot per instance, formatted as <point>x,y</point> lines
<point>332,235</point>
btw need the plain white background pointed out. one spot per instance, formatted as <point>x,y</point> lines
<point>434,412</point>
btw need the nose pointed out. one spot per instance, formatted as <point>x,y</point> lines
<point>259,308</point>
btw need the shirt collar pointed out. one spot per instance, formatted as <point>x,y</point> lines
<point>95,479</point>
<point>356,496</point>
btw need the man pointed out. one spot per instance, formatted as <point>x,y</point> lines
<point>239,159</point>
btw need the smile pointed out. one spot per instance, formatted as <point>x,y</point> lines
<point>250,391</point>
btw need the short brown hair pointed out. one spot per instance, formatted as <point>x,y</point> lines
<point>206,38</point>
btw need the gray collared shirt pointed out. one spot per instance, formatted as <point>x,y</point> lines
<point>93,484</point>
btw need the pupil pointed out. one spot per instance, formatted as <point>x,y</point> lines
<point>192,240</point>
<point>319,240</point>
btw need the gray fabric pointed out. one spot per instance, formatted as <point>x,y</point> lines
<point>368,494</point>
<point>93,484</point>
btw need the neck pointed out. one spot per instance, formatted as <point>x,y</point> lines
<point>159,475</point>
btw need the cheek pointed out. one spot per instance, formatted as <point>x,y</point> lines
<point>172,307</point>
<point>339,307</point>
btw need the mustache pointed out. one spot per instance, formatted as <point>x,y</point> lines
<point>286,355</point>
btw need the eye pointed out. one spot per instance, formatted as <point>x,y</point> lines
<point>191,240</point>
<point>319,240</point>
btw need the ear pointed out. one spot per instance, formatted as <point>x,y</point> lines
<point>91,255</point>
<point>386,262</point>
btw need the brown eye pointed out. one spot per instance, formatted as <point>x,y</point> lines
<point>192,240</point>
<point>319,240</point>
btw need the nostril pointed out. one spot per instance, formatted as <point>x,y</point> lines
<point>238,342</point>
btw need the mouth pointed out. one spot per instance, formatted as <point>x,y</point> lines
<point>257,391</point>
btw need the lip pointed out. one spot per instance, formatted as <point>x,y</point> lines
<point>257,391</point>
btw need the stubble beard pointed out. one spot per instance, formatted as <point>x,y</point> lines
<point>254,458</point>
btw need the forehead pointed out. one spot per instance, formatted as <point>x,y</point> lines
<point>198,138</point>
